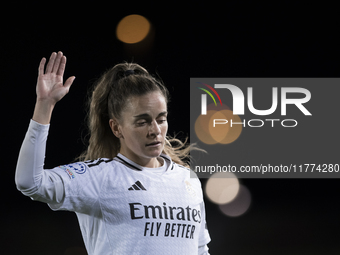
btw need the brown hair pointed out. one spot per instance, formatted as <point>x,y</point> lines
<point>108,100</point>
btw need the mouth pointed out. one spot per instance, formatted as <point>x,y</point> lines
<point>153,144</point>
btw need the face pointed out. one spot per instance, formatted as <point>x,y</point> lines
<point>142,128</point>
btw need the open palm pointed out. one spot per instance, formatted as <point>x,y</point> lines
<point>50,85</point>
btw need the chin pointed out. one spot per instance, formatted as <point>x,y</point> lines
<point>154,153</point>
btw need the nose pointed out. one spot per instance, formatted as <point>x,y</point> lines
<point>154,129</point>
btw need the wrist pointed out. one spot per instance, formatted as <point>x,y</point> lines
<point>45,102</point>
<point>43,111</point>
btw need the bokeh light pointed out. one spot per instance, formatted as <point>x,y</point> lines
<point>222,187</point>
<point>239,205</point>
<point>233,132</point>
<point>133,29</point>
<point>217,107</point>
<point>223,131</point>
<point>202,128</point>
<point>219,131</point>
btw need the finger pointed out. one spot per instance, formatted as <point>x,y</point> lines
<point>62,65</point>
<point>69,82</point>
<point>57,62</point>
<point>41,66</point>
<point>51,62</point>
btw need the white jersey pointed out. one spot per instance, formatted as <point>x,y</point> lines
<point>124,208</point>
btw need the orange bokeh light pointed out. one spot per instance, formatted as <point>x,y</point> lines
<point>221,131</point>
<point>202,128</point>
<point>133,29</point>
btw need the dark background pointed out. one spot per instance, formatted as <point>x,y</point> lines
<point>291,39</point>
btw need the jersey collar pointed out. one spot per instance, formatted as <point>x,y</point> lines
<point>129,163</point>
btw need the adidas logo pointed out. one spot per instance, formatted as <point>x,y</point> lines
<point>137,186</point>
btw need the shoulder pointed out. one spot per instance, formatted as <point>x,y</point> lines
<point>98,163</point>
<point>181,167</point>
<point>173,165</point>
<point>85,168</point>
<point>185,170</point>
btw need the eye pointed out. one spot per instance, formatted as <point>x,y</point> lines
<point>141,123</point>
<point>160,121</point>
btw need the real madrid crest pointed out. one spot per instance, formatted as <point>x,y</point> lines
<point>190,189</point>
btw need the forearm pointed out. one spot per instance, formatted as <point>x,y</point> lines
<point>30,177</point>
<point>31,158</point>
<point>32,153</point>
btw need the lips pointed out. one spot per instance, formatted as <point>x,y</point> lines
<point>153,143</point>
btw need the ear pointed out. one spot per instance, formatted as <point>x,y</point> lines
<point>115,127</point>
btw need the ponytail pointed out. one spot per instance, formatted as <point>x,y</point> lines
<point>102,143</point>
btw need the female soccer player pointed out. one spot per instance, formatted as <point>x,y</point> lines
<point>131,191</point>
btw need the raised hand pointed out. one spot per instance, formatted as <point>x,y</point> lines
<point>50,85</point>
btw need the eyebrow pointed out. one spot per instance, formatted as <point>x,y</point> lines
<point>145,115</point>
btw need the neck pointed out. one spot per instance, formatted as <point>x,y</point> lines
<point>145,162</point>
<point>152,163</point>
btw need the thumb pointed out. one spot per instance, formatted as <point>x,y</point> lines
<point>69,82</point>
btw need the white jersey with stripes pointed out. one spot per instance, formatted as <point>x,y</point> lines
<point>122,207</point>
